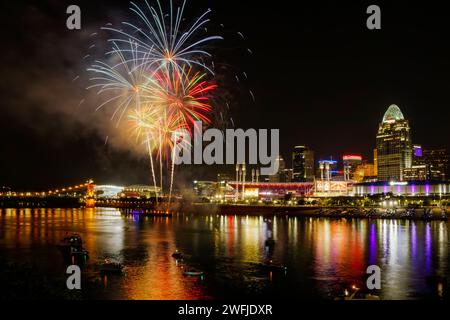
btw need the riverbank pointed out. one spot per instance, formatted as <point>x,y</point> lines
<point>424,213</point>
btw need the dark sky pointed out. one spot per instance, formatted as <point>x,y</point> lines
<point>317,73</point>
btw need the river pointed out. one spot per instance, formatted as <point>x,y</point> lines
<point>322,256</point>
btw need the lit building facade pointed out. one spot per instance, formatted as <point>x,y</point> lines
<point>302,164</point>
<point>328,170</point>
<point>375,162</point>
<point>286,175</point>
<point>402,188</point>
<point>205,188</point>
<point>394,147</point>
<point>365,172</point>
<point>416,172</point>
<point>223,177</point>
<point>140,191</point>
<point>279,190</point>
<point>435,162</point>
<point>281,167</point>
<point>438,162</point>
<point>107,191</point>
<point>351,163</point>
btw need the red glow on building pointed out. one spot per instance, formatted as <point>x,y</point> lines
<point>352,157</point>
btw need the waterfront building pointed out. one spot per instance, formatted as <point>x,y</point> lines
<point>403,188</point>
<point>139,191</point>
<point>351,163</point>
<point>438,163</point>
<point>281,167</point>
<point>328,170</point>
<point>279,190</point>
<point>286,175</point>
<point>302,164</point>
<point>223,177</point>
<point>107,191</point>
<point>365,172</point>
<point>375,163</point>
<point>394,147</point>
<point>205,188</point>
<point>417,151</point>
<point>416,172</point>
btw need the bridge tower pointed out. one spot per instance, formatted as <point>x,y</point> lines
<point>90,194</point>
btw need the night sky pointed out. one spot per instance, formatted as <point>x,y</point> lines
<point>317,73</point>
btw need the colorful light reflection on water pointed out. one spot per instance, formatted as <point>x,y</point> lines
<point>322,255</point>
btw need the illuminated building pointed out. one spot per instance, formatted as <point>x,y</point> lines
<point>205,188</point>
<point>336,188</point>
<point>365,172</point>
<point>107,191</point>
<point>375,162</point>
<point>221,188</point>
<point>328,169</point>
<point>286,175</point>
<point>394,146</point>
<point>402,188</point>
<point>302,164</point>
<point>438,162</point>
<point>281,166</point>
<point>279,190</point>
<point>139,191</point>
<point>417,151</point>
<point>223,177</point>
<point>351,163</point>
<point>416,172</point>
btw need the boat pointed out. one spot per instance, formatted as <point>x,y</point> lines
<point>357,294</point>
<point>73,242</point>
<point>111,267</point>
<point>177,255</point>
<point>193,273</point>
<point>273,266</point>
<point>80,253</point>
<point>72,249</point>
<point>427,214</point>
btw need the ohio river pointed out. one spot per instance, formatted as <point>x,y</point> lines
<point>322,256</point>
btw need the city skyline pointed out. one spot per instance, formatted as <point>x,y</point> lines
<point>337,84</point>
<point>218,153</point>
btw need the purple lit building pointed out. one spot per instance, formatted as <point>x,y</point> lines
<point>402,188</point>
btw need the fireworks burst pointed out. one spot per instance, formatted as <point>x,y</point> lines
<point>162,38</point>
<point>157,75</point>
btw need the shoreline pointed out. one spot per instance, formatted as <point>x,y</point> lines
<point>335,212</point>
<point>332,212</point>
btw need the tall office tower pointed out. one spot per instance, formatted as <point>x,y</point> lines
<point>286,175</point>
<point>375,162</point>
<point>302,164</point>
<point>394,145</point>
<point>437,161</point>
<point>281,166</point>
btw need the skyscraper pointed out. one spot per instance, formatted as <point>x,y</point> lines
<point>394,145</point>
<point>437,161</point>
<point>302,164</point>
<point>281,166</point>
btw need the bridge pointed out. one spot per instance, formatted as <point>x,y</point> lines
<point>75,195</point>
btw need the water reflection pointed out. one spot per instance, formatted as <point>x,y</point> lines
<point>322,255</point>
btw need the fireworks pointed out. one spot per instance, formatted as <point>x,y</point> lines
<point>161,36</point>
<point>156,74</point>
